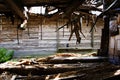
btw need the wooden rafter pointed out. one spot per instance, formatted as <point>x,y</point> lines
<point>15,9</point>
<point>44,2</point>
<point>74,5</point>
<point>85,7</point>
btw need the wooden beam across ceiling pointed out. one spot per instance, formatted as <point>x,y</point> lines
<point>89,8</point>
<point>72,7</point>
<point>3,9</point>
<point>15,9</point>
<point>44,2</point>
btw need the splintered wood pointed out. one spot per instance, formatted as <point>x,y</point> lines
<point>59,67</point>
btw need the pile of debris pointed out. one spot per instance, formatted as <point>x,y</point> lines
<point>60,67</point>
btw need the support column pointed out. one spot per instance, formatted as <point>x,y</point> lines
<point>92,38</point>
<point>0,24</point>
<point>104,48</point>
<point>57,34</point>
<point>92,32</point>
<point>105,38</point>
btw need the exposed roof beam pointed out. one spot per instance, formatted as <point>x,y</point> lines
<point>44,2</point>
<point>3,9</point>
<point>3,6</point>
<point>86,13</point>
<point>90,8</point>
<point>72,7</point>
<point>15,9</point>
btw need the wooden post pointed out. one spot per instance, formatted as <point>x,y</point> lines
<point>18,41</point>
<point>28,30</point>
<point>104,48</point>
<point>0,24</point>
<point>41,30</point>
<point>41,23</point>
<point>105,38</point>
<point>63,27</point>
<point>57,34</point>
<point>92,38</point>
<point>92,32</point>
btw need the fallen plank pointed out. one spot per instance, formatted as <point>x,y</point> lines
<point>99,70</point>
<point>44,77</point>
<point>69,60</point>
<point>30,78</point>
<point>72,77</point>
<point>36,70</point>
<point>100,73</point>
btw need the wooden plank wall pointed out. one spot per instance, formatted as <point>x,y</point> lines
<point>48,42</point>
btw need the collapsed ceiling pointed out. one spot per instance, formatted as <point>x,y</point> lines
<point>70,9</point>
<point>13,8</point>
<point>16,7</point>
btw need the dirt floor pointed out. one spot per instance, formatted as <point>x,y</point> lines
<point>63,66</point>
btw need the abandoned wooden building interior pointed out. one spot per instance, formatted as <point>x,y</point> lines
<point>59,39</point>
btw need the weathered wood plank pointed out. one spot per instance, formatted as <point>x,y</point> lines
<point>36,70</point>
<point>61,60</point>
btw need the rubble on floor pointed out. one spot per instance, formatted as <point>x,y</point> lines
<point>62,66</point>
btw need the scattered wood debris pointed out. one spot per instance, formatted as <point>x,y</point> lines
<point>43,69</point>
